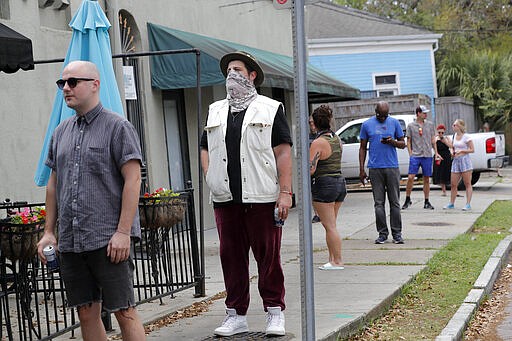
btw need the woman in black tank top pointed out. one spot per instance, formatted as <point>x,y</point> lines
<point>327,184</point>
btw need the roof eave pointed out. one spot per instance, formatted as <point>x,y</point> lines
<point>372,39</point>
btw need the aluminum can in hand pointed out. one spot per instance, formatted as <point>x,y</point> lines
<point>52,263</point>
<point>277,221</point>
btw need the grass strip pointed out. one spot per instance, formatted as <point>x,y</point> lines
<point>386,263</point>
<point>429,301</point>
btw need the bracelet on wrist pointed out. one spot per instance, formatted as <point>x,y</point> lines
<point>287,192</point>
<point>125,233</point>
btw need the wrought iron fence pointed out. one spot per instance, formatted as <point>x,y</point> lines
<point>33,302</point>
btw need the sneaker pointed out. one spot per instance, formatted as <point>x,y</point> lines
<point>275,322</point>
<point>428,206</point>
<point>450,206</point>
<point>316,219</point>
<point>467,207</point>
<point>406,204</point>
<point>381,240</point>
<point>398,240</point>
<point>232,324</point>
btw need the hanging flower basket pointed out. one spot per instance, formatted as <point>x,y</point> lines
<point>162,208</point>
<point>19,242</point>
<point>20,232</point>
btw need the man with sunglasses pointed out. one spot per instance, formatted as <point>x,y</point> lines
<point>93,192</point>
<point>421,138</point>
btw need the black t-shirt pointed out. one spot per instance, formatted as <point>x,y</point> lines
<point>280,134</point>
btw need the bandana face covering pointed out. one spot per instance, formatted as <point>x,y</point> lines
<point>241,92</point>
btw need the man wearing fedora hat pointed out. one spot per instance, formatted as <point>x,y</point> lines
<point>246,158</point>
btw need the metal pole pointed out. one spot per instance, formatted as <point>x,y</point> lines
<point>202,291</point>
<point>122,55</point>
<point>305,227</point>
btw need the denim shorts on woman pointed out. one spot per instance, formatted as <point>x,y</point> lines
<point>91,277</point>
<point>328,189</point>
<point>462,164</point>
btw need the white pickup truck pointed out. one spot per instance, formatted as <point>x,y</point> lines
<point>489,149</point>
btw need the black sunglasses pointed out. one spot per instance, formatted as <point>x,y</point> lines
<point>72,82</point>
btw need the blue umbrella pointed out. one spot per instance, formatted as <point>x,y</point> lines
<point>90,41</point>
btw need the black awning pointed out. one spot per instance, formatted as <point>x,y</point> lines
<point>15,51</point>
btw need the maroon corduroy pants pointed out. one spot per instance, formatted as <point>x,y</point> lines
<point>250,226</point>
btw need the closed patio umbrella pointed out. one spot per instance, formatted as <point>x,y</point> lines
<point>90,41</point>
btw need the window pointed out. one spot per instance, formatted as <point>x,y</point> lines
<point>386,93</point>
<point>5,12</point>
<point>176,139</point>
<point>351,134</point>
<point>385,80</point>
<point>386,84</point>
<point>402,124</point>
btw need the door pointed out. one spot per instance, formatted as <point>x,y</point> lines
<point>176,140</point>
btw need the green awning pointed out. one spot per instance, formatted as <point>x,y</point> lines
<point>177,71</point>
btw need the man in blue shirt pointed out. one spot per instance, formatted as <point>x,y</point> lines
<point>385,135</point>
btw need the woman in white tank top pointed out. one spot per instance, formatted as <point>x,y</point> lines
<point>461,164</point>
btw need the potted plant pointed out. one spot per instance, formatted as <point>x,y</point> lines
<point>161,208</point>
<point>20,231</point>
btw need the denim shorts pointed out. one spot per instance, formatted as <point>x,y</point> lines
<point>425,162</point>
<point>328,189</point>
<point>91,277</point>
<point>462,164</point>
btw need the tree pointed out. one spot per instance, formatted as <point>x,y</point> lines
<point>470,28</point>
<point>465,24</point>
<point>484,77</point>
<point>497,103</point>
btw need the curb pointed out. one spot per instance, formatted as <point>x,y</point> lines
<point>455,328</point>
<point>360,322</point>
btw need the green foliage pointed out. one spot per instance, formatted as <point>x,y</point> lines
<point>470,29</point>
<point>357,4</point>
<point>485,77</point>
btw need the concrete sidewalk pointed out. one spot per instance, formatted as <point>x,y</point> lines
<point>345,299</point>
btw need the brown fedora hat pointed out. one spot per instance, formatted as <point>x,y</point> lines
<point>245,57</point>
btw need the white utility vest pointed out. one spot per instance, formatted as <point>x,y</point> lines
<point>258,164</point>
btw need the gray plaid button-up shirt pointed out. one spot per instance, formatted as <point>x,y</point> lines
<point>421,143</point>
<point>87,154</point>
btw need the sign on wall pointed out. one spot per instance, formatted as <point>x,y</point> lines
<point>129,83</point>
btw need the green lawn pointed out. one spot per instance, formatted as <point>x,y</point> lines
<point>430,300</point>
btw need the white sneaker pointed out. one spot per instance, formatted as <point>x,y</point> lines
<point>275,321</point>
<point>232,324</point>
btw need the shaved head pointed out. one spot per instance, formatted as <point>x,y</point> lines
<point>84,95</point>
<point>87,68</point>
<point>382,111</point>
